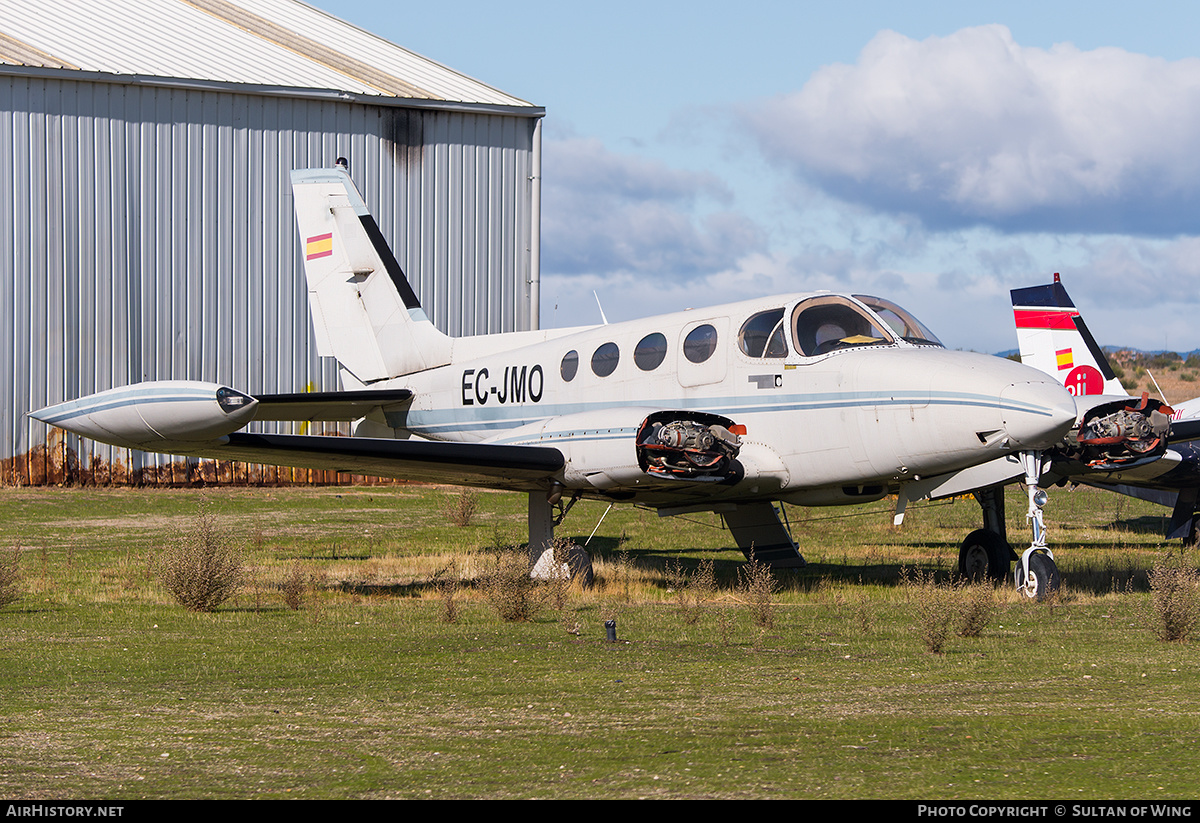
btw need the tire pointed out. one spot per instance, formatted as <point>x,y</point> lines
<point>572,562</point>
<point>984,555</point>
<point>580,563</point>
<point>1044,576</point>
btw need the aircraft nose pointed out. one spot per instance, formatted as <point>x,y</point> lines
<point>1036,415</point>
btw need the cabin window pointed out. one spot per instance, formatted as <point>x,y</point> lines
<point>906,327</point>
<point>824,324</point>
<point>763,335</point>
<point>651,351</point>
<point>700,343</point>
<point>605,359</point>
<point>569,366</point>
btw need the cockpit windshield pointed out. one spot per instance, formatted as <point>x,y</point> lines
<point>907,327</point>
<point>830,322</point>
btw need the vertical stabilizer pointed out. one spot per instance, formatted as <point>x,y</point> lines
<point>364,312</point>
<point>1054,339</point>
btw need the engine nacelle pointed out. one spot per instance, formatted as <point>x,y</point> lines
<point>1115,434</point>
<point>632,446</point>
<point>688,445</point>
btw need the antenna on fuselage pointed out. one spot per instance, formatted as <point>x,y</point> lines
<point>603,319</point>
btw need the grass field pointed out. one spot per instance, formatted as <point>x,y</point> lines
<point>112,691</point>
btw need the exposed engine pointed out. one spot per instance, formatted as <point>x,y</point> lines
<point>1120,433</point>
<point>698,446</point>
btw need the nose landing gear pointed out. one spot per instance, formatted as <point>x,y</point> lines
<point>986,554</point>
<point>1036,574</point>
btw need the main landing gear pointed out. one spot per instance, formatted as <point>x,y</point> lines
<point>986,553</point>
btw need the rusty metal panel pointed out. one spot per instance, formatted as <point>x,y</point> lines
<point>149,235</point>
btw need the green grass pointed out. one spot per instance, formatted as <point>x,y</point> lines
<point>112,691</point>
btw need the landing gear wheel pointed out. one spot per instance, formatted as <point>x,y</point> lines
<point>580,564</point>
<point>570,562</point>
<point>984,555</point>
<point>1044,578</point>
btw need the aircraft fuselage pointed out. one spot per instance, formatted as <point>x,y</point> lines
<point>851,422</point>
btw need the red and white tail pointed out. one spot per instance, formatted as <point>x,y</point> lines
<point>1053,338</point>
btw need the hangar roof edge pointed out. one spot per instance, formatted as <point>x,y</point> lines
<point>265,46</point>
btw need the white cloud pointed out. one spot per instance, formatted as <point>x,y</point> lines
<point>938,173</point>
<point>607,213</point>
<point>973,128</point>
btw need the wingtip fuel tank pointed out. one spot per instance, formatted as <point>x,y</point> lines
<point>154,415</point>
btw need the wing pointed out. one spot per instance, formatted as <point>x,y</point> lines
<point>204,420</point>
<point>462,464</point>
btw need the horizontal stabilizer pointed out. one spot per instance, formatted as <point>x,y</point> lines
<point>1184,430</point>
<point>327,406</point>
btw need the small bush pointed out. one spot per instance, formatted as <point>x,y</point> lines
<point>461,508</point>
<point>508,587</point>
<point>862,615</point>
<point>1174,599</point>
<point>10,578</point>
<point>446,582</point>
<point>692,592</point>
<point>202,568</point>
<point>976,605</point>
<point>758,585</point>
<point>293,587</point>
<point>934,607</point>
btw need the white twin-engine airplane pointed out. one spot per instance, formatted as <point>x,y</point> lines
<point>811,399</point>
<point>1138,447</point>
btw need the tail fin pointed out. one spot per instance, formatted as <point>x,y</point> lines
<point>364,311</point>
<point>1053,338</point>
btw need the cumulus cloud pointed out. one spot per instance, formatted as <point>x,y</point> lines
<point>607,213</point>
<point>975,129</point>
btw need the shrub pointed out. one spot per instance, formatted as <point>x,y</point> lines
<point>934,607</point>
<point>508,587</point>
<point>293,587</point>
<point>202,567</point>
<point>758,585</point>
<point>1174,599</point>
<point>446,582</point>
<point>10,578</point>
<point>460,509</point>
<point>976,605</point>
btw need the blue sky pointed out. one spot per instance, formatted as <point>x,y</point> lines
<point>938,154</point>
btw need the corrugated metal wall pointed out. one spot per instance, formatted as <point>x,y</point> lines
<point>148,234</point>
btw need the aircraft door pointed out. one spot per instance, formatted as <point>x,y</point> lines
<point>703,346</point>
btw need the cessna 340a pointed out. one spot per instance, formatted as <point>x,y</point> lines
<point>1137,447</point>
<point>811,399</point>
